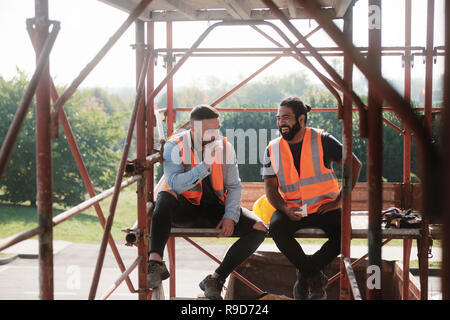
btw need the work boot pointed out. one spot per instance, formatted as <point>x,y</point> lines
<point>317,284</point>
<point>157,272</point>
<point>301,287</point>
<point>212,287</point>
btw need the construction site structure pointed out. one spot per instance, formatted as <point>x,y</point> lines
<point>431,197</point>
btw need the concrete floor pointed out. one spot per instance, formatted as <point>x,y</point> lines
<point>74,265</point>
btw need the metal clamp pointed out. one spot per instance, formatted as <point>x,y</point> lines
<point>132,236</point>
<point>430,254</point>
<point>169,60</point>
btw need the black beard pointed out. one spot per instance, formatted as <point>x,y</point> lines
<point>292,131</point>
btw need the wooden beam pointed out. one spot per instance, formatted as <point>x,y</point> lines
<point>183,8</point>
<point>341,6</point>
<point>291,9</point>
<point>222,14</point>
<point>236,9</point>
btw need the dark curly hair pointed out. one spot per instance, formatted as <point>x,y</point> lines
<point>203,111</point>
<point>297,106</point>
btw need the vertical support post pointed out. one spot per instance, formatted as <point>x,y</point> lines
<point>44,160</point>
<point>407,244</point>
<point>375,151</point>
<point>172,269</point>
<point>429,64</point>
<point>169,64</point>
<point>407,148</point>
<point>347,160</point>
<point>445,132</point>
<point>170,120</point>
<point>149,174</point>
<point>150,108</point>
<point>141,154</point>
<point>424,242</point>
<point>407,96</point>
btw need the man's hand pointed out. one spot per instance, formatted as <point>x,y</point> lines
<point>330,206</point>
<point>210,153</point>
<point>290,212</point>
<point>227,226</point>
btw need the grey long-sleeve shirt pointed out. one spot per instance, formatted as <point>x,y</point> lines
<point>180,181</point>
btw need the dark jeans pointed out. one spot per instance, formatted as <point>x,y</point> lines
<point>282,230</point>
<point>170,211</point>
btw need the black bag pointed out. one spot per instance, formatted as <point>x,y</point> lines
<point>395,218</point>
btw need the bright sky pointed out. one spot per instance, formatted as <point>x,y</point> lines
<point>86,25</point>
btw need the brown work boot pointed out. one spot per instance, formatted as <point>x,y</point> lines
<point>317,284</point>
<point>212,287</point>
<point>301,287</point>
<point>157,272</point>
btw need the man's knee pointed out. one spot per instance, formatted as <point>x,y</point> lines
<point>277,226</point>
<point>165,203</point>
<point>167,195</point>
<point>261,226</point>
<point>166,198</point>
<point>260,235</point>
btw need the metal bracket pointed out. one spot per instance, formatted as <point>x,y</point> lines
<point>140,45</point>
<point>132,236</point>
<point>169,60</point>
<point>430,254</point>
<point>411,60</point>
<point>135,167</point>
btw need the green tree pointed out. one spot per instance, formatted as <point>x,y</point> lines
<point>98,136</point>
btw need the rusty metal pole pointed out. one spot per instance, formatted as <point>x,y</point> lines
<point>445,132</point>
<point>141,154</point>
<point>82,168</point>
<point>79,160</point>
<point>424,242</point>
<point>170,121</point>
<point>428,152</point>
<point>22,110</point>
<point>150,108</point>
<point>150,119</point>
<point>87,180</point>
<point>429,65</point>
<point>253,75</point>
<point>169,64</point>
<point>93,63</point>
<point>375,153</point>
<point>44,160</point>
<point>319,58</point>
<point>150,116</point>
<point>119,177</point>
<point>407,243</point>
<point>347,133</point>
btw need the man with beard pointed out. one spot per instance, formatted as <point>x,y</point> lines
<point>300,183</point>
<point>202,190</point>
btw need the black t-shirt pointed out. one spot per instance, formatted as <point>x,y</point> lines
<point>209,197</point>
<point>332,152</point>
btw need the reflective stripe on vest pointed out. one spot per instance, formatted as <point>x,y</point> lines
<point>190,161</point>
<point>316,184</point>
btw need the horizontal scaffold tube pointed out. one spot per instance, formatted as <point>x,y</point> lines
<point>6,243</point>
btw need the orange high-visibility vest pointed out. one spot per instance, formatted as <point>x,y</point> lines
<point>190,161</point>
<point>316,184</point>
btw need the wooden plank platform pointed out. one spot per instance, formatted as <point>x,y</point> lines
<point>305,233</point>
<point>393,196</point>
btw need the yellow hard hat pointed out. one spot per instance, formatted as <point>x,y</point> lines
<point>263,209</point>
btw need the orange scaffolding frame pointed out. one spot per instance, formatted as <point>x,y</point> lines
<point>145,117</point>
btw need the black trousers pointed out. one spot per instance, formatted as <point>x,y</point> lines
<point>282,230</point>
<point>170,211</point>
